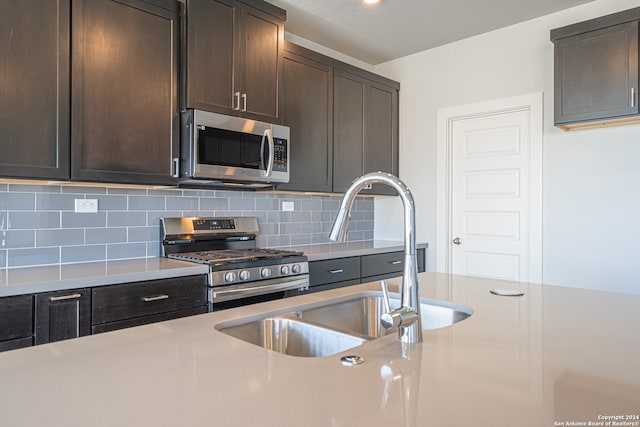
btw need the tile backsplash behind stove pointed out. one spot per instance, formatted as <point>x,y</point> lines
<point>39,225</point>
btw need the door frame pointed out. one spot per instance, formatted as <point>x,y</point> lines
<point>447,117</point>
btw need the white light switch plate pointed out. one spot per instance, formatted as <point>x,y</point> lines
<point>86,205</point>
<point>287,206</point>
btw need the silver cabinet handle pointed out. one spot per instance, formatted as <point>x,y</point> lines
<point>237,106</point>
<point>244,102</point>
<point>156,298</point>
<point>633,97</point>
<point>457,241</point>
<point>65,297</point>
<point>395,262</point>
<point>175,173</point>
<point>339,270</point>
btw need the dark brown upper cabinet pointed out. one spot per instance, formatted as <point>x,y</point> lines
<point>125,117</point>
<point>307,108</point>
<point>343,120</point>
<point>232,57</point>
<point>596,72</point>
<point>34,89</point>
<point>365,120</point>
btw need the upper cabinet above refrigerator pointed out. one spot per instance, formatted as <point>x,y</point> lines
<point>232,57</point>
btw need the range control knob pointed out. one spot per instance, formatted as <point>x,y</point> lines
<point>244,275</point>
<point>230,276</point>
<point>284,269</point>
<point>295,268</point>
<point>265,272</point>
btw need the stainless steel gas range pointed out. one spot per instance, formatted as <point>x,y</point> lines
<point>240,272</point>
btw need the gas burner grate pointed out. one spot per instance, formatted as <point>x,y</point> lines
<point>234,255</point>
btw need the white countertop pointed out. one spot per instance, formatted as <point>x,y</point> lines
<point>17,281</point>
<point>347,249</point>
<point>555,355</point>
<point>26,280</point>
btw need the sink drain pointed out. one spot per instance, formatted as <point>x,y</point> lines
<point>352,360</point>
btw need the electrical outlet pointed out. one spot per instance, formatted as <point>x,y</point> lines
<point>86,205</point>
<point>287,206</point>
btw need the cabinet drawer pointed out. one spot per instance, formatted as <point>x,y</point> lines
<point>16,317</point>
<point>388,263</point>
<point>377,264</point>
<point>16,344</point>
<point>333,270</point>
<point>120,302</point>
<point>129,323</point>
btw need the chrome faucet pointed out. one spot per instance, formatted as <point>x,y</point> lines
<point>407,317</point>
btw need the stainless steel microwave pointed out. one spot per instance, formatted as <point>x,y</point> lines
<point>226,148</point>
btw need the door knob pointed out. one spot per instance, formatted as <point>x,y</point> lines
<point>457,241</point>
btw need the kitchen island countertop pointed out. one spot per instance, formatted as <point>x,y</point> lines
<point>551,357</point>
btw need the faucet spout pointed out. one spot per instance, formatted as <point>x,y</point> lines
<point>411,329</point>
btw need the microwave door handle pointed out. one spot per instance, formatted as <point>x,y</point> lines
<point>269,135</point>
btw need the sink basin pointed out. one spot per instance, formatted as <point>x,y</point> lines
<point>293,337</point>
<point>362,315</point>
<point>334,326</point>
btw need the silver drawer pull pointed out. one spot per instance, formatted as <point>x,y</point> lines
<point>156,298</point>
<point>339,270</point>
<point>395,262</point>
<point>65,297</point>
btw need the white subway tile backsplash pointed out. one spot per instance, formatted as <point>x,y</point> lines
<point>38,224</point>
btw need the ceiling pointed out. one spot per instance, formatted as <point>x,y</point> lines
<point>397,28</point>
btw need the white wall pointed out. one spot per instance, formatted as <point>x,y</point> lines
<point>591,179</point>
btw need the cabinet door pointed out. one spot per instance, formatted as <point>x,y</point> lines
<point>348,129</point>
<point>34,89</point>
<point>124,115</point>
<point>381,133</point>
<point>596,74</point>
<point>62,315</point>
<point>211,54</point>
<point>16,322</point>
<point>307,110</point>
<point>261,44</point>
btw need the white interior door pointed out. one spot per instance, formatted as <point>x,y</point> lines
<point>494,193</point>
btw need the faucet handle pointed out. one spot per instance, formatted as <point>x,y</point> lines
<point>389,319</point>
<point>402,316</point>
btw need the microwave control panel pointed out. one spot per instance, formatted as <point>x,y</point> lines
<point>280,154</point>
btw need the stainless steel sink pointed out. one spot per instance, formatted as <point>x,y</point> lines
<point>362,315</point>
<point>334,326</point>
<point>293,337</point>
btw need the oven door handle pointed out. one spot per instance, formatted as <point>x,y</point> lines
<point>227,293</point>
<point>268,135</point>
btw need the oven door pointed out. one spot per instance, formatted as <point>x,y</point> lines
<point>253,291</point>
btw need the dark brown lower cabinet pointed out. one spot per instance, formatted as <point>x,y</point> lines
<point>16,322</point>
<point>340,272</point>
<point>140,303</point>
<point>62,315</point>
